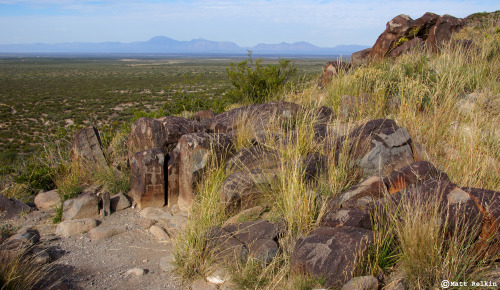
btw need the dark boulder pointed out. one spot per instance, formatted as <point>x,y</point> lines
<point>377,147</point>
<point>488,203</point>
<point>442,31</point>
<point>224,246</point>
<point>411,174</point>
<point>11,207</point>
<point>331,253</point>
<point>395,29</point>
<point>87,148</point>
<point>147,171</point>
<point>196,150</point>
<point>352,217</point>
<point>243,189</point>
<point>361,57</point>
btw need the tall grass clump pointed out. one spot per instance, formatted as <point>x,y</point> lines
<point>191,255</point>
<point>436,246</point>
<point>448,101</point>
<point>18,270</point>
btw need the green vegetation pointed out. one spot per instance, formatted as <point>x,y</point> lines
<point>448,102</point>
<point>254,83</point>
<point>44,101</point>
<point>19,271</point>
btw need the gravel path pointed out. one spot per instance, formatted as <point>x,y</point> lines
<point>103,264</point>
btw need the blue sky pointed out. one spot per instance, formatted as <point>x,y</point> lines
<point>245,22</point>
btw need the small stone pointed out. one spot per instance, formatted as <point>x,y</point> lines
<point>218,277</point>
<point>101,232</point>
<point>155,213</point>
<point>201,284</point>
<point>137,272</point>
<point>362,283</point>
<point>178,222</point>
<point>41,256</point>
<point>119,202</point>
<point>160,234</point>
<point>144,223</point>
<point>75,227</point>
<point>166,263</point>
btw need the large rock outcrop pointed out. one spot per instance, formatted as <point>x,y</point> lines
<point>195,152</point>
<point>147,169</point>
<point>87,148</point>
<point>403,34</point>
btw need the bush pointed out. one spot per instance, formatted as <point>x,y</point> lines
<point>255,83</point>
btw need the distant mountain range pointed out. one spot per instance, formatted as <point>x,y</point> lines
<point>162,44</point>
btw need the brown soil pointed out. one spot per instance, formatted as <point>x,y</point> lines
<point>103,264</point>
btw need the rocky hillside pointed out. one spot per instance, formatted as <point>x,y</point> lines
<point>384,177</point>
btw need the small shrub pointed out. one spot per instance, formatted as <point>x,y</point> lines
<point>401,41</point>
<point>255,83</point>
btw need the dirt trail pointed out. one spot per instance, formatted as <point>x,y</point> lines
<point>103,264</point>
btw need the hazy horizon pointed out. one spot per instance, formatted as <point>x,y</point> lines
<point>246,23</point>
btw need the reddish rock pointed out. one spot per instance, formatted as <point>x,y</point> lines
<point>47,200</point>
<point>87,148</point>
<point>361,57</point>
<point>173,177</point>
<point>145,133</point>
<point>203,115</point>
<point>264,250</point>
<point>331,253</point>
<point>454,203</point>
<point>195,151</point>
<point>148,178</point>
<point>442,31</point>
<point>242,189</point>
<point>257,116</point>
<point>488,203</point>
<point>368,189</point>
<point>411,174</point>
<point>332,68</point>
<point>395,29</point>
<point>175,127</point>
<point>424,24</point>
<point>352,217</point>
<point>249,232</point>
<point>148,133</point>
<point>255,157</point>
<point>415,43</point>
<point>224,246</point>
